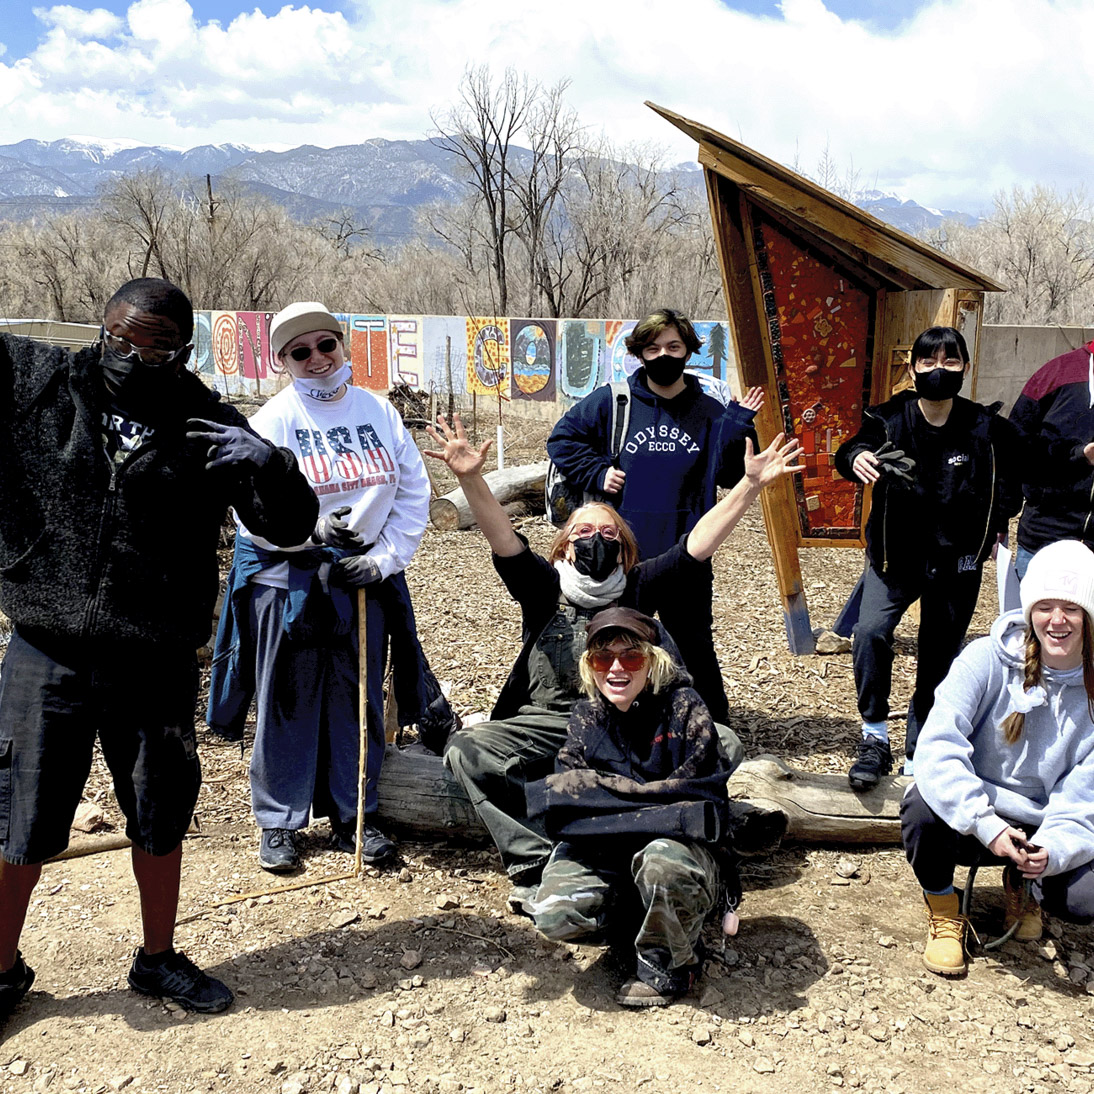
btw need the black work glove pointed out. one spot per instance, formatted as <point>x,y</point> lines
<point>332,531</point>
<point>892,461</point>
<point>356,571</point>
<point>229,444</point>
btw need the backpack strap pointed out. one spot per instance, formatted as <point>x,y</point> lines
<point>621,415</point>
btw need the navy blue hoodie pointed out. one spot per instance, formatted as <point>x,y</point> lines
<point>676,454</point>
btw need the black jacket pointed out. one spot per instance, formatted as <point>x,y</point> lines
<point>1055,417</point>
<point>653,770</point>
<point>982,493</point>
<point>94,552</point>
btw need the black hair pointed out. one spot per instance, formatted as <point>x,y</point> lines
<point>654,323</point>
<point>933,339</point>
<point>156,297</point>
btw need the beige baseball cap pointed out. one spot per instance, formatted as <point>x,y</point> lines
<point>300,318</point>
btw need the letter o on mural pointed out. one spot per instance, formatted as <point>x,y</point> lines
<point>226,344</point>
<point>489,364</point>
<point>531,359</point>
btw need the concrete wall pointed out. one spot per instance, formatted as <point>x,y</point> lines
<point>1009,356</point>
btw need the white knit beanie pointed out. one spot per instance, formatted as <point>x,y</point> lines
<point>1060,571</point>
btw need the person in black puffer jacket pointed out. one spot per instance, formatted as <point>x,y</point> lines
<point>945,476</point>
<point>118,468</point>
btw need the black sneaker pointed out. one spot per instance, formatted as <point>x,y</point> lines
<point>14,984</point>
<point>177,978</point>
<point>874,760</point>
<point>277,851</point>
<point>376,848</point>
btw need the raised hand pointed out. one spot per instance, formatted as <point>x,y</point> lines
<point>754,399</point>
<point>461,456</point>
<point>775,461</point>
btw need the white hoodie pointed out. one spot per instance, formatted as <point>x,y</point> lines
<point>977,783</point>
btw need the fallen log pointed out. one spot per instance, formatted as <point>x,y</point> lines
<point>822,808</point>
<point>510,484</point>
<point>419,797</point>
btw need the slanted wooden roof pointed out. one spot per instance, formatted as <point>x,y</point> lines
<point>899,259</point>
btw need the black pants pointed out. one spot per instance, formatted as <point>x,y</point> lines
<point>933,848</point>
<point>688,615</point>
<point>946,603</point>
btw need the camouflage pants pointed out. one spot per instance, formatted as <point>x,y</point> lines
<point>668,890</point>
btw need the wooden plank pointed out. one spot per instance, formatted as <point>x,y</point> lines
<point>870,235</point>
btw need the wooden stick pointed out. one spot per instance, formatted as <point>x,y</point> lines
<point>362,713</point>
<point>284,889</point>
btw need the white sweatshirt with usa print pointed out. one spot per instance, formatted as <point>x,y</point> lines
<point>353,451</point>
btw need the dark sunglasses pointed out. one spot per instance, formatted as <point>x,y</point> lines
<point>602,660</point>
<point>147,355</point>
<point>324,345</point>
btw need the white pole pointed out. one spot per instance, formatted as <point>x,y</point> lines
<point>501,448</point>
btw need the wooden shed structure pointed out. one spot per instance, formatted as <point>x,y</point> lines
<point>824,303</point>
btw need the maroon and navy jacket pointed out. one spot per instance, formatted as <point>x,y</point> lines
<point>1055,417</point>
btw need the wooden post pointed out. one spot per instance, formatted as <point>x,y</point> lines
<point>362,714</point>
<point>448,377</point>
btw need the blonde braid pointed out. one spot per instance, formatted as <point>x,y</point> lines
<point>1015,722</point>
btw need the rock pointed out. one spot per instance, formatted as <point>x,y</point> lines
<point>411,959</point>
<point>847,867</point>
<point>405,876</point>
<point>711,997</point>
<point>344,918</point>
<point>829,642</point>
<point>120,1082</point>
<point>763,1065</point>
<point>494,1014</point>
<point>458,1035</point>
<point>43,1082</point>
<point>446,901</point>
<point>746,1038</point>
<point>701,1035</point>
<point>346,1085</point>
<point>377,912</point>
<point>1047,950</point>
<point>89,817</point>
<point>1083,1060</point>
<point>18,1067</point>
<point>348,1052</point>
<point>879,1033</point>
<point>886,941</point>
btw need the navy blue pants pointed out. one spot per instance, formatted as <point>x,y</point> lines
<point>934,849</point>
<point>306,741</point>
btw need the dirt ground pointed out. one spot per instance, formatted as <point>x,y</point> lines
<point>416,979</point>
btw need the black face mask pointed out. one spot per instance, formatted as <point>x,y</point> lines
<point>595,556</point>
<point>938,384</point>
<point>665,370</point>
<point>137,389</point>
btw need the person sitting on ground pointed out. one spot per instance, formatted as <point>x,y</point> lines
<point>638,804</point>
<point>288,634</point>
<point>592,564</point>
<point>119,465</point>
<point>945,476</point>
<point>1004,769</point>
<point>681,446</point>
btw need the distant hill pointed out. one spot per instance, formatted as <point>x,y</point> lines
<point>383,182</point>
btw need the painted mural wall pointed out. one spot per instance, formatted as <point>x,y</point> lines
<point>522,360</point>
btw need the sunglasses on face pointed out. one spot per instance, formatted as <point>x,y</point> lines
<point>147,355</point>
<point>583,531</point>
<point>302,353</point>
<point>629,660</point>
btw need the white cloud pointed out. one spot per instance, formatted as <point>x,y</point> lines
<point>965,97</point>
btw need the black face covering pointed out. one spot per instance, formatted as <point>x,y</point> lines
<point>665,370</point>
<point>938,384</point>
<point>595,556</point>
<point>137,389</point>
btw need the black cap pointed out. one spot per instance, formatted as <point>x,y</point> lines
<point>624,619</point>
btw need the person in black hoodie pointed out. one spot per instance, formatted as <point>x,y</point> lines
<point>681,445</point>
<point>1055,415</point>
<point>945,479</point>
<point>637,807</point>
<point>119,466</point>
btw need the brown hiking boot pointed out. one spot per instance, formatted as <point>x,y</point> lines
<point>1020,907</point>
<point>946,926</point>
<point>636,993</point>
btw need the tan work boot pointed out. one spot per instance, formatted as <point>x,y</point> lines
<point>946,926</point>
<point>1020,907</point>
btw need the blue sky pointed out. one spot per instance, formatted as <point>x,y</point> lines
<point>943,101</point>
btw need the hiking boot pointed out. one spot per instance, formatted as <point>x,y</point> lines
<point>14,984</point>
<point>637,993</point>
<point>874,760</point>
<point>172,975</point>
<point>376,848</point>
<point>1020,907</point>
<point>277,851</point>
<point>946,926</point>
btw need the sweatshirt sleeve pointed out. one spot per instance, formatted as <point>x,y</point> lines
<point>403,530</point>
<point>1067,830</point>
<point>733,427</point>
<point>869,438</point>
<point>579,445</point>
<point>1049,455</point>
<point>944,771</point>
